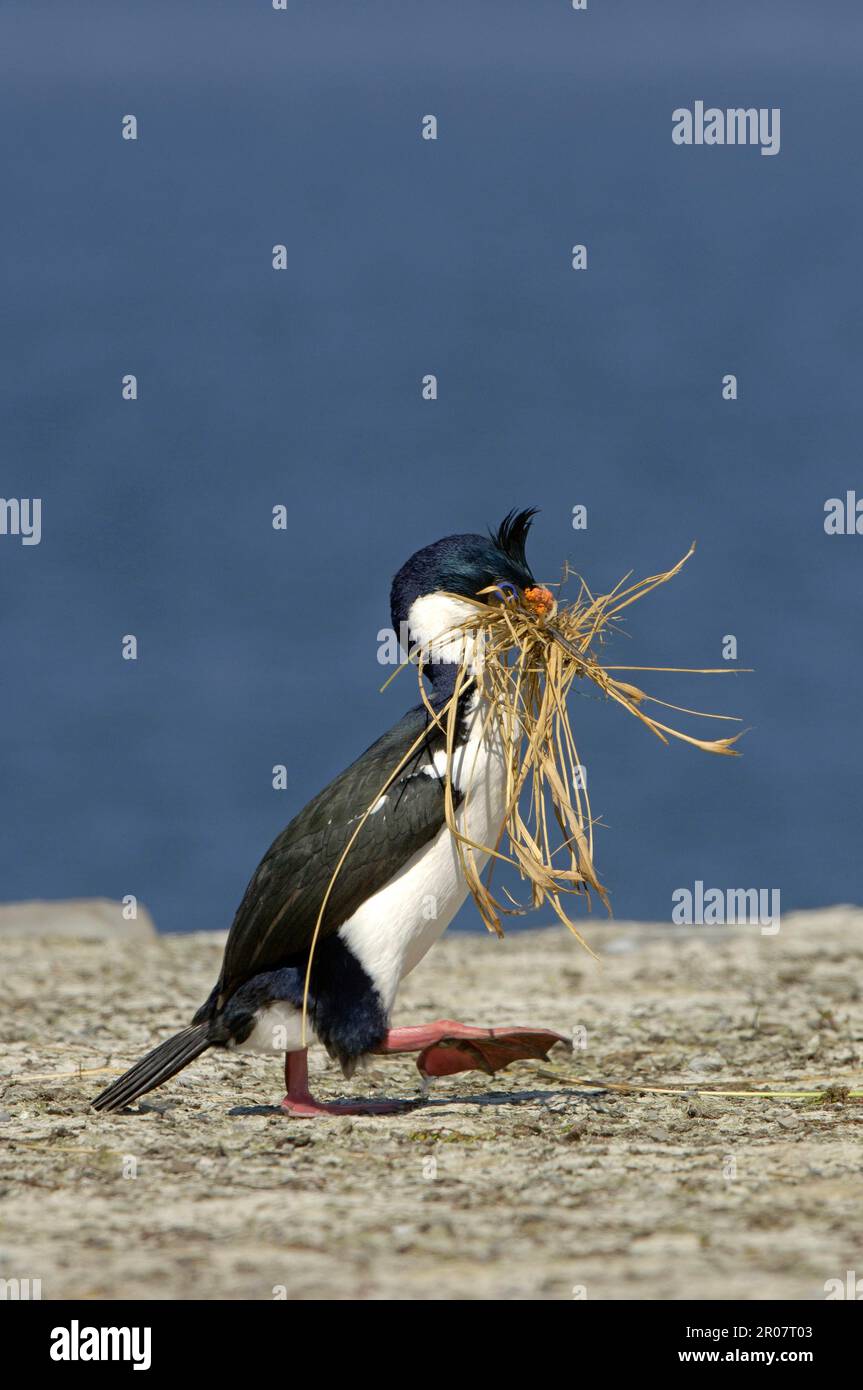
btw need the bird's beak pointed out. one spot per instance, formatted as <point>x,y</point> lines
<point>540,600</point>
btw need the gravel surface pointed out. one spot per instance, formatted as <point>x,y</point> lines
<point>526,1185</point>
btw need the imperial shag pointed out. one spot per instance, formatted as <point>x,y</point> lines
<point>400,885</point>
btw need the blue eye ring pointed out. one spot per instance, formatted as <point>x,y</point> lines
<point>505,589</point>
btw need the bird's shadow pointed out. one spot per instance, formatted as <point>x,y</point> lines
<point>445,1102</point>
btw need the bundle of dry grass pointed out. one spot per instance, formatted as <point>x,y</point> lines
<point>523,661</point>
<point>528,664</point>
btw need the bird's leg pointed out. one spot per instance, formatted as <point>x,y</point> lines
<point>446,1047</point>
<point>300,1102</point>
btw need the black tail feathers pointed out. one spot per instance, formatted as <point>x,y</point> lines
<point>158,1066</point>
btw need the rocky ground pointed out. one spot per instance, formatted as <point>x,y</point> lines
<point>530,1185</point>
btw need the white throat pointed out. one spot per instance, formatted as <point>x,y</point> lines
<point>434,623</point>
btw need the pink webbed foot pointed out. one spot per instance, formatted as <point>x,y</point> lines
<point>301,1104</point>
<point>446,1048</point>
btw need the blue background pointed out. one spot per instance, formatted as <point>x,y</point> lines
<point>259,647</point>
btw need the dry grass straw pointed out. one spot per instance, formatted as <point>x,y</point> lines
<point>525,668</point>
<point>828,1093</point>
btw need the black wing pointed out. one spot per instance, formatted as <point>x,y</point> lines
<point>276,919</point>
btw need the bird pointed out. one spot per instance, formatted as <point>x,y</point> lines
<point>400,880</point>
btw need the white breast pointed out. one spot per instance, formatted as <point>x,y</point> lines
<point>394,928</point>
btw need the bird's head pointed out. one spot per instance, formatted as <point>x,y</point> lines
<point>425,602</point>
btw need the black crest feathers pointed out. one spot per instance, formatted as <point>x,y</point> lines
<point>511,536</point>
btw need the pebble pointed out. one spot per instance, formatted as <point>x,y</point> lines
<point>706,1061</point>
